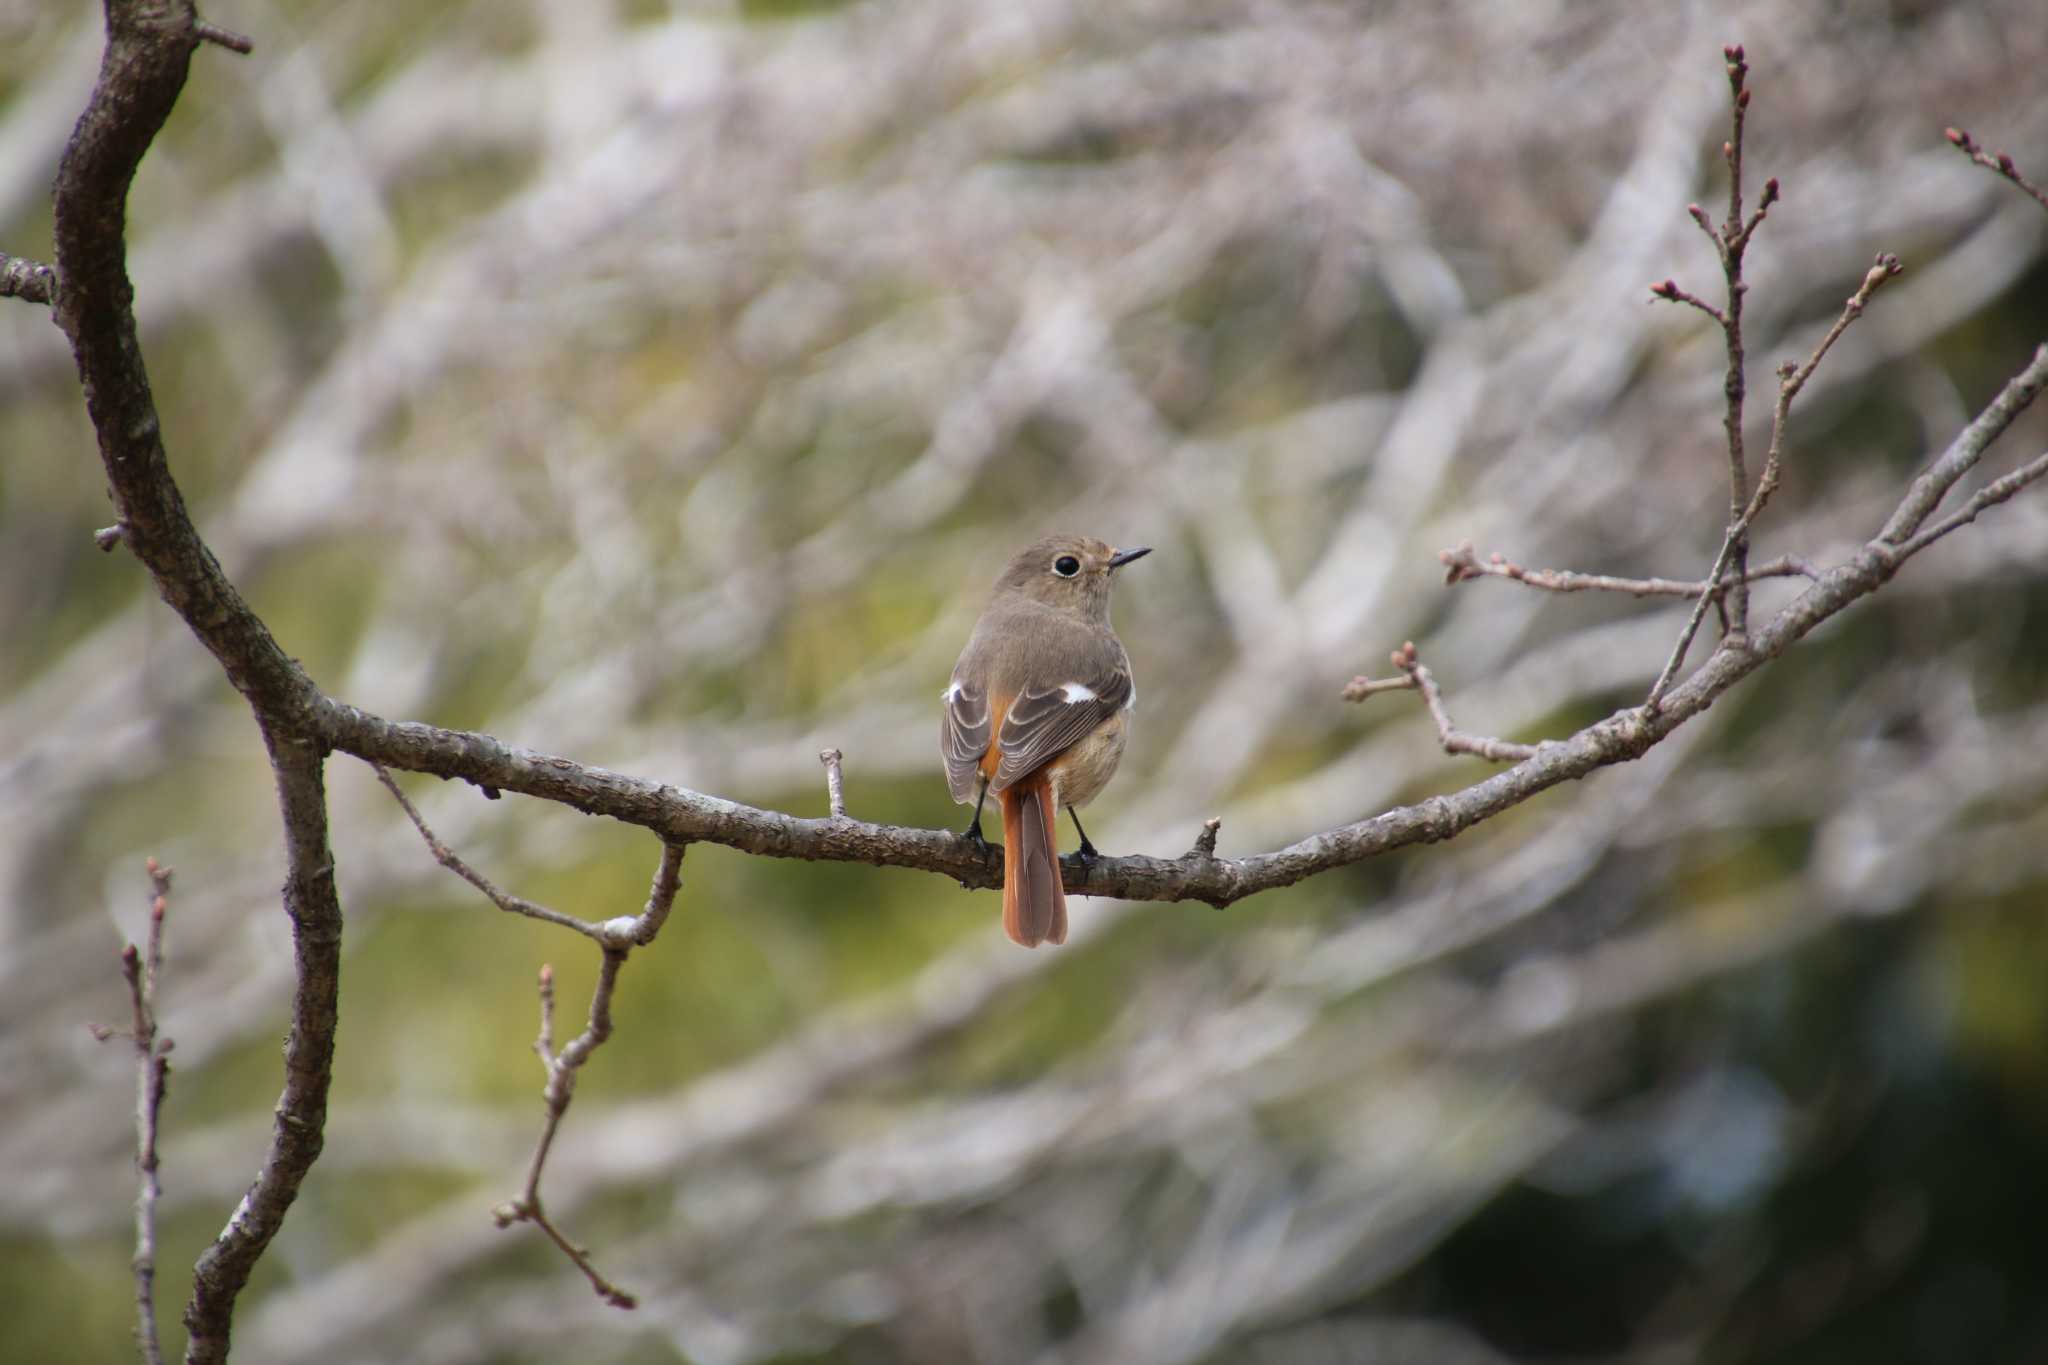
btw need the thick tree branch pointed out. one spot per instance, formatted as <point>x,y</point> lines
<point>1962,454</point>
<point>147,55</point>
<point>298,1133</point>
<point>149,47</point>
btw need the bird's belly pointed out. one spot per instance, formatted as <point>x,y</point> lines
<point>1084,770</point>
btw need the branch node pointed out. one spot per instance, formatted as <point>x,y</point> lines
<point>107,537</point>
<point>1205,842</point>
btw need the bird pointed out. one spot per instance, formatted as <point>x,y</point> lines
<point>1037,714</point>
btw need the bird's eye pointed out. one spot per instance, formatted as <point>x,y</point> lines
<point>1066,566</point>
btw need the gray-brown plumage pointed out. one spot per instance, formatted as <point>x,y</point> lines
<point>1037,715</point>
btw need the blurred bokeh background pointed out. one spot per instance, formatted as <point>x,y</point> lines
<point>662,385</point>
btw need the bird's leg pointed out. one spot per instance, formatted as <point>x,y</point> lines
<point>973,831</point>
<point>1087,850</point>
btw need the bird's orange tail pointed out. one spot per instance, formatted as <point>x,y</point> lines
<point>1034,901</point>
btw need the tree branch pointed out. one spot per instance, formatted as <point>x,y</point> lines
<point>1463,563</point>
<point>140,968</point>
<point>298,1133</point>
<point>626,934</point>
<point>1415,677</point>
<point>2000,162</point>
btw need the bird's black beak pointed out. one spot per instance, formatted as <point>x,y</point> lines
<point>1123,557</point>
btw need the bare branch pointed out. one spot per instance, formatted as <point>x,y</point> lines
<point>561,1087</point>
<point>141,968</point>
<point>1730,591</point>
<point>619,937</point>
<point>448,858</point>
<point>1991,494</point>
<point>1670,289</point>
<point>298,1132</point>
<point>1792,378</point>
<point>222,37</point>
<point>1998,161</point>
<point>1416,677</point>
<point>1463,563</point>
<point>1963,453</point>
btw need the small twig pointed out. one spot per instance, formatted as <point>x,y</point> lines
<point>1415,677</point>
<point>1462,562</point>
<point>1205,842</point>
<point>107,537</point>
<point>21,278</point>
<point>1997,161</point>
<point>141,968</point>
<point>1670,290</point>
<point>448,858</point>
<point>619,937</point>
<point>835,783</point>
<point>1792,378</point>
<point>1726,586</point>
<point>222,37</point>
<point>561,1088</point>
<point>1361,687</point>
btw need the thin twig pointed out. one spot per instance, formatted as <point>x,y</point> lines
<point>153,1069</point>
<point>1670,289</point>
<point>560,1089</point>
<point>222,37</point>
<point>140,968</point>
<point>619,937</point>
<point>1462,562</point>
<point>835,783</point>
<point>1997,161</point>
<point>1205,842</point>
<point>1792,378</point>
<point>448,858</point>
<point>1729,591</point>
<point>1415,677</point>
<point>1731,239</point>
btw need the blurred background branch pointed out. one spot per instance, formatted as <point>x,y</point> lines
<point>709,357</point>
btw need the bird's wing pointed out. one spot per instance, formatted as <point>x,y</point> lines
<point>1039,726</point>
<point>963,737</point>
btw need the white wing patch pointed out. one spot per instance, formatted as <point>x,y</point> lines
<point>1077,692</point>
<point>950,693</point>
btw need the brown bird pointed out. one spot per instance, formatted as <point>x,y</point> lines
<point>1037,713</point>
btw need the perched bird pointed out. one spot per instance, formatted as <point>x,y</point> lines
<point>1037,714</point>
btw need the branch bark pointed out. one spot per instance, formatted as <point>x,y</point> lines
<point>301,1121</point>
